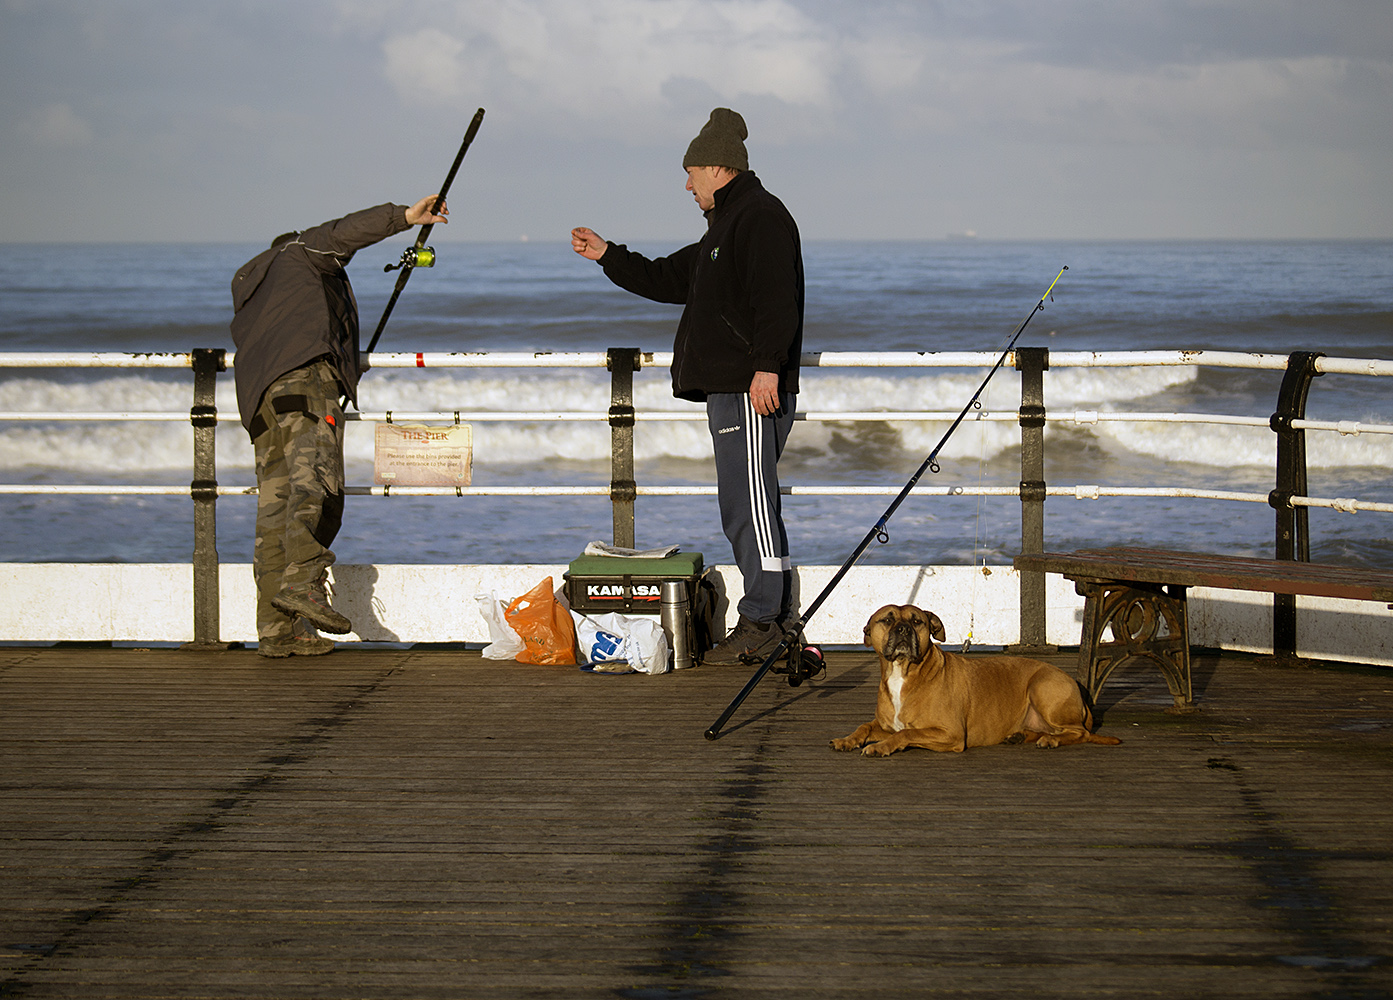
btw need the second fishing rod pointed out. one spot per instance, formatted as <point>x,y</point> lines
<point>792,637</point>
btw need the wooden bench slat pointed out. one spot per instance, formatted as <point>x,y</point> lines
<point>1195,569</point>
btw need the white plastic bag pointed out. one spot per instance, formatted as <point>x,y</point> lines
<point>504,642</point>
<point>606,641</point>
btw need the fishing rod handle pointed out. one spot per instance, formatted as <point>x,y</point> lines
<point>715,731</point>
<point>424,233</point>
<point>469,134</point>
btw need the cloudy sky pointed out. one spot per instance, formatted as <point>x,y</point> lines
<point>237,119</point>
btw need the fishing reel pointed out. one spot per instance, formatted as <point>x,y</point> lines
<point>414,256</point>
<point>801,662</point>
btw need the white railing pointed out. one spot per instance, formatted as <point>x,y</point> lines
<point>1289,494</point>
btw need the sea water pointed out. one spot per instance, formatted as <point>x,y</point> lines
<point>1264,297</point>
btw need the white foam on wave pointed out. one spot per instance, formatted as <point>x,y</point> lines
<point>1065,389</point>
<point>122,447</point>
<point>130,448</point>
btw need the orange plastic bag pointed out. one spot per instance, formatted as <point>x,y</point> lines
<point>545,626</point>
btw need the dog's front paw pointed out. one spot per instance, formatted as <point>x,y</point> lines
<point>853,740</point>
<point>1047,741</point>
<point>877,750</point>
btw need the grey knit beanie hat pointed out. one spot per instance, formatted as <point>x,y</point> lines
<point>720,143</point>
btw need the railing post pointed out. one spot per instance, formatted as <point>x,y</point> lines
<point>1293,523</point>
<point>622,362</point>
<point>207,363</point>
<point>1032,363</point>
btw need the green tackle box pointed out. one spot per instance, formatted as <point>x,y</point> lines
<point>628,585</point>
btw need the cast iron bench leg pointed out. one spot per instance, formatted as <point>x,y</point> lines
<point>1141,620</point>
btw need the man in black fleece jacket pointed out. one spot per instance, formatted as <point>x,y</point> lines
<point>737,349</point>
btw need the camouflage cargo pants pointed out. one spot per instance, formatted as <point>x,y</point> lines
<point>299,476</point>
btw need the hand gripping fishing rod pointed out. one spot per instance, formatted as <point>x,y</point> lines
<point>792,632</point>
<point>418,254</point>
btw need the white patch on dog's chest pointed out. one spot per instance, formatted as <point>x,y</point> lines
<point>894,683</point>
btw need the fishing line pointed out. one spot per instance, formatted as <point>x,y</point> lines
<point>418,254</point>
<point>878,532</point>
<point>977,530</point>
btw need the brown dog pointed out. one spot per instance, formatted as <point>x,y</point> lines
<point>942,701</point>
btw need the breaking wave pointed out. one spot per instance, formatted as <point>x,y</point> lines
<point>133,448</point>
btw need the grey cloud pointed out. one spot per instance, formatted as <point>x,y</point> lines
<point>876,118</point>
<point>1129,33</point>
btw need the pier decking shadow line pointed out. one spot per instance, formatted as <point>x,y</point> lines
<point>413,823</point>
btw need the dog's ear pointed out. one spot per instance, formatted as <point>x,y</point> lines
<point>876,616</point>
<point>935,626</point>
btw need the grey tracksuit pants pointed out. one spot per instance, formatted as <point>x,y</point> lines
<point>747,448</point>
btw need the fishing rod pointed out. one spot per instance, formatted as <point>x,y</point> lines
<point>418,254</point>
<point>797,672</point>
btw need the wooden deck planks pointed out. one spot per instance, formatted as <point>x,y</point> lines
<point>431,824</point>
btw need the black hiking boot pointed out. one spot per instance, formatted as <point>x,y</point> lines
<point>311,602</point>
<point>302,641</point>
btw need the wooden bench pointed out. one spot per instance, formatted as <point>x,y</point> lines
<point>1138,597</point>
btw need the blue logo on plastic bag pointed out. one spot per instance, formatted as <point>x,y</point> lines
<point>606,646</point>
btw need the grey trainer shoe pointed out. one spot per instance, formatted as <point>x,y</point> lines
<point>748,642</point>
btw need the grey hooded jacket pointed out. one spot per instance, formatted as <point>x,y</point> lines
<point>293,303</point>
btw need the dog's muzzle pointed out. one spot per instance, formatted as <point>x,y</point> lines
<point>902,640</point>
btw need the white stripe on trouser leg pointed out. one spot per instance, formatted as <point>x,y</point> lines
<point>754,436</point>
<point>761,513</point>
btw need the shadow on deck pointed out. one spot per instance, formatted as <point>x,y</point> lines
<point>408,823</point>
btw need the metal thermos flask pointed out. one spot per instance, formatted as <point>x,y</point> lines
<point>677,622</point>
